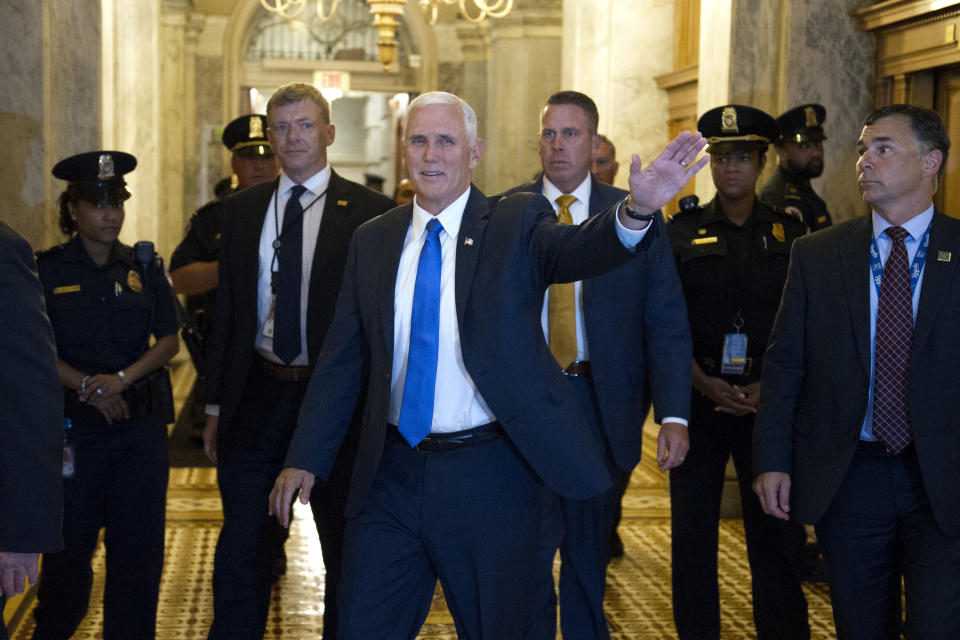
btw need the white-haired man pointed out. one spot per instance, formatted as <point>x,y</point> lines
<point>469,423</point>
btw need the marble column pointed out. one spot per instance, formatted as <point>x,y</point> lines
<point>475,48</point>
<point>50,63</point>
<point>132,107</point>
<point>612,51</point>
<point>524,69</point>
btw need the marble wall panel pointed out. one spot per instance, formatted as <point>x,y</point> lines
<point>524,69</point>
<point>49,60</point>
<point>831,62</point>
<point>612,51</point>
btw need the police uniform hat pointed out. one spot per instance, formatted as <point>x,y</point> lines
<point>803,124</point>
<point>735,128</point>
<point>97,176</point>
<point>247,136</point>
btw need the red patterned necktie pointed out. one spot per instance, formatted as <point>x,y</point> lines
<point>891,406</point>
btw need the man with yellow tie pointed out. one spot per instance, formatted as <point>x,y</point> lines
<point>584,323</point>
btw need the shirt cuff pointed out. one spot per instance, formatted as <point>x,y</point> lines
<point>630,238</point>
<point>212,409</point>
<point>682,421</point>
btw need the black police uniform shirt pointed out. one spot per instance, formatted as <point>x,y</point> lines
<point>201,243</point>
<point>101,316</point>
<point>728,271</point>
<point>788,193</point>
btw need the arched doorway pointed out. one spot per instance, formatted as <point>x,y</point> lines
<point>263,51</point>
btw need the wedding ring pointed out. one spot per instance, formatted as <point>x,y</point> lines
<point>99,391</point>
<point>683,164</point>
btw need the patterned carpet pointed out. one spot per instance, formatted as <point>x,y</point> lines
<point>638,597</point>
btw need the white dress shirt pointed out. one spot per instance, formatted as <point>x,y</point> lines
<point>312,200</point>
<point>457,404</point>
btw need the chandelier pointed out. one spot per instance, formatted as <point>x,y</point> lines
<point>386,12</point>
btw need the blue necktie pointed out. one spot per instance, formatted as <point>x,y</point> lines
<point>416,408</point>
<point>286,315</point>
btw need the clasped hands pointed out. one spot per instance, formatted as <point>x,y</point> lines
<point>103,391</point>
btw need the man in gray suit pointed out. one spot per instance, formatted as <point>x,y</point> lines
<point>857,430</point>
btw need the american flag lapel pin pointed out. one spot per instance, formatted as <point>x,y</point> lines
<point>468,241</point>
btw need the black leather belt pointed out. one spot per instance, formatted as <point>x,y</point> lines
<point>879,450</point>
<point>449,441</point>
<point>578,368</point>
<point>282,372</point>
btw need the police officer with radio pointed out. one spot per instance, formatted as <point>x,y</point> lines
<point>193,265</point>
<point>732,257</point>
<point>104,305</point>
<point>799,148</point>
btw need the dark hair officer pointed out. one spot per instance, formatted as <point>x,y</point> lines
<point>105,301</point>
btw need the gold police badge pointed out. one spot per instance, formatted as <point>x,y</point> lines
<point>778,232</point>
<point>133,281</point>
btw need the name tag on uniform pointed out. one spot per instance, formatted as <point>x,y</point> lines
<point>70,288</point>
<point>734,359</point>
<point>707,240</point>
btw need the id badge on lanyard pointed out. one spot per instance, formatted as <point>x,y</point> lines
<point>734,359</point>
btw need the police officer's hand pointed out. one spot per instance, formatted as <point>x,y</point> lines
<point>673,443</point>
<point>210,437</point>
<point>102,386</point>
<point>289,482</point>
<point>728,398</point>
<point>15,569</point>
<point>112,407</point>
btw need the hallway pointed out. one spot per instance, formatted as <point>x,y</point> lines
<point>638,596</point>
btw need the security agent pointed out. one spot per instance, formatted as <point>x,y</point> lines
<point>799,148</point>
<point>732,257</point>
<point>104,305</point>
<point>193,265</point>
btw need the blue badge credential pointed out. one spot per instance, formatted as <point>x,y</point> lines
<point>734,354</point>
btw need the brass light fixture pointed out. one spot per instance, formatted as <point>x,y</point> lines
<point>387,12</point>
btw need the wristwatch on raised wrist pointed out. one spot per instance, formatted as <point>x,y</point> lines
<point>123,378</point>
<point>642,217</point>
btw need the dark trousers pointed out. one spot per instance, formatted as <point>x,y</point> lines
<point>250,456</point>
<point>582,529</point>
<point>121,485</point>
<point>473,518</point>
<point>878,528</point>
<point>774,547</point>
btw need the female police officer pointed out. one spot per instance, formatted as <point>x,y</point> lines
<point>104,306</point>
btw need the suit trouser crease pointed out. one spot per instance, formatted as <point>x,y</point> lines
<point>472,517</point>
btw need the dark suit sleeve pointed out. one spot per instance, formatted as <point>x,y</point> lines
<point>666,332</point>
<point>31,409</point>
<point>223,322</point>
<point>335,387</point>
<point>783,374</point>
<point>567,253</point>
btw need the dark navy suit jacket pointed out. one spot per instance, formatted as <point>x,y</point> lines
<point>515,250</point>
<point>637,332</point>
<point>347,206</point>
<point>31,408</point>
<point>816,371</point>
